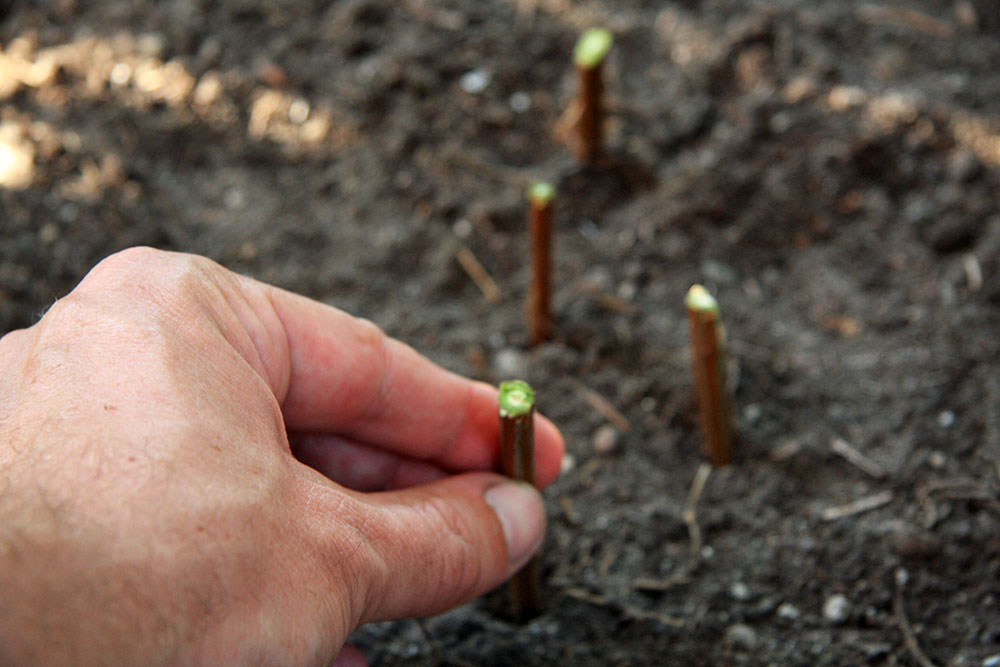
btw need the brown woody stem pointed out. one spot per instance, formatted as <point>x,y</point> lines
<point>708,363</point>
<point>540,302</point>
<point>589,55</point>
<point>591,127</point>
<point>517,457</point>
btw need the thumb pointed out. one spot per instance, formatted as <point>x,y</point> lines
<point>444,543</point>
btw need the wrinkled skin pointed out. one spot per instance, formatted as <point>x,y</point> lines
<point>199,468</point>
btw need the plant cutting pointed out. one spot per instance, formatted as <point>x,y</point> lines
<point>589,55</point>
<point>517,458</point>
<point>539,309</point>
<point>709,365</point>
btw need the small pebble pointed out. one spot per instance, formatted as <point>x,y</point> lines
<point>647,404</point>
<point>739,591</point>
<point>298,111</point>
<point>68,212</point>
<point>462,228</point>
<point>48,233</point>
<point>510,363</point>
<point>992,661</point>
<point>474,81</point>
<point>717,272</point>
<point>151,44</point>
<point>120,74</point>
<point>788,611</point>
<point>836,609</point>
<point>741,636</point>
<point>946,419</point>
<point>519,102</point>
<point>233,199</point>
<point>937,460</point>
<point>605,440</point>
<point>568,463</point>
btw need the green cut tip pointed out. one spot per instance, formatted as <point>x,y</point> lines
<point>592,47</point>
<point>516,398</point>
<point>698,299</point>
<point>541,193</point>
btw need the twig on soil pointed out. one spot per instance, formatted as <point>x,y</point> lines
<point>856,458</point>
<point>467,260</point>
<point>973,272</point>
<point>604,407</point>
<point>954,489</point>
<point>708,363</point>
<point>859,506</point>
<point>660,585</point>
<point>517,457</point>
<point>627,610</point>
<point>909,636</point>
<point>588,56</point>
<point>690,509</point>
<point>909,18</point>
<point>540,225</point>
<point>569,511</point>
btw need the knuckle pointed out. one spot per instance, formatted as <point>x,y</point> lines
<point>125,263</point>
<point>373,344</point>
<point>371,337</point>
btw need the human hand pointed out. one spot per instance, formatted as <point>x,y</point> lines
<point>155,502</point>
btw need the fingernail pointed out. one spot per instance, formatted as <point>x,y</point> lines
<point>519,507</point>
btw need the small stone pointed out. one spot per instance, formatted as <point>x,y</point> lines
<point>510,363</point>
<point>946,418</point>
<point>233,199</point>
<point>717,272</point>
<point>842,98</point>
<point>799,89</point>
<point>788,611</point>
<point>752,412</point>
<point>48,233</point>
<point>605,440</point>
<point>298,111</point>
<point>647,404</point>
<point>739,591</point>
<point>68,213</point>
<point>462,228</point>
<point>741,636</point>
<point>120,74</point>
<point>151,44</point>
<point>837,608</point>
<point>568,463</point>
<point>519,102</point>
<point>475,81</point>
<point>992,661</point>
<point>937,460</point>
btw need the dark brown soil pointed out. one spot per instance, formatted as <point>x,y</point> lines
<point>831,170</point>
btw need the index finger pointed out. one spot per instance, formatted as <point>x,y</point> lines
<point>347,377</point>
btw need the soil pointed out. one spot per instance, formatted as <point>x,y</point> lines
<point>829,170</point>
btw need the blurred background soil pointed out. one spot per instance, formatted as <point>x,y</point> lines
<point>830,170</point>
